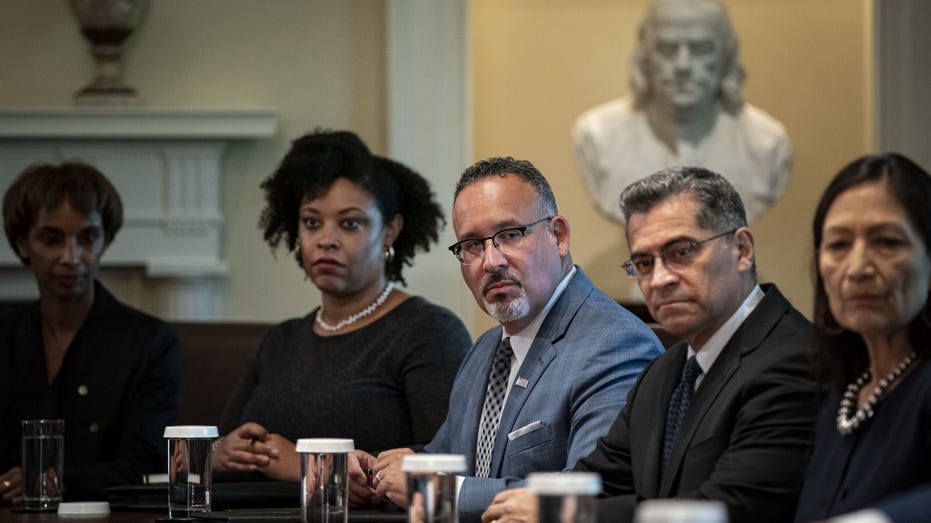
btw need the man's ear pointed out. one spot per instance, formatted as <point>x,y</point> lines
<point>743,239</point>
<point>560,227</point>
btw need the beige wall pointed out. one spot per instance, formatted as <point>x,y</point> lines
<point>540,63</point>
<point>536,64</point>
<point>320,62</point>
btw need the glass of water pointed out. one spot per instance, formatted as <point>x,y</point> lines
<point>43,463</point>
<point>190,453</point>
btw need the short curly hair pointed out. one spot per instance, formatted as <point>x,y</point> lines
<point>317,160</point>
<point>46,186</point>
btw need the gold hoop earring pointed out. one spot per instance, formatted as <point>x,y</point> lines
<point>389,254</point>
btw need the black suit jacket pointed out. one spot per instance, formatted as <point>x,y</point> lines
<point>746,437</point>
<point>117,389</point>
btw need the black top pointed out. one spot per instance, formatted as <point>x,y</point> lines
<point>117,389</point>
<point>385,385</point>
<point>888,454</point>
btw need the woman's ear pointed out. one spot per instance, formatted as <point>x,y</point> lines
<point>22,248</point>
<point>393,229</point>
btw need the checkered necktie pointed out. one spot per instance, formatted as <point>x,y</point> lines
<point>491,411</point>
<point>679,405</point>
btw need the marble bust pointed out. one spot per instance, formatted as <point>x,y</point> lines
<point>686,108</point>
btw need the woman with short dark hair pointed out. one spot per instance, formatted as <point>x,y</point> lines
<point>110,371</point>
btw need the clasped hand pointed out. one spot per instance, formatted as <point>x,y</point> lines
<point>251,447</point>
<point>374,481</point>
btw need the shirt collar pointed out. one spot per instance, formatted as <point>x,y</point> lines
<point>715,344</point>
<point>520,341</point>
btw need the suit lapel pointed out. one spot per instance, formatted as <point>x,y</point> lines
<point>542,351</point>
<point>540,355</point>
<point>751,333</point>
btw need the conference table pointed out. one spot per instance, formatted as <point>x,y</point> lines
<point>242,501</point>
<point>8,515</point>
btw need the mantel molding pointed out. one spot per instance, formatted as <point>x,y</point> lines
<point>165,124</point>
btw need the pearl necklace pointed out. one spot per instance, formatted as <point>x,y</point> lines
<point>357,316</point>
<point>846,423</point>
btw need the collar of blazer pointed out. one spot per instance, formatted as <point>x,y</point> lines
<point>746,339</point>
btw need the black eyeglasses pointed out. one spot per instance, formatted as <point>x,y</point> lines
<point>505,240</point>
<point>675,255</point>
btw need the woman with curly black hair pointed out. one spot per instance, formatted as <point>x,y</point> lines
<point>372,363</point>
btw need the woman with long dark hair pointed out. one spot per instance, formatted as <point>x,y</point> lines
<point>872,232</point>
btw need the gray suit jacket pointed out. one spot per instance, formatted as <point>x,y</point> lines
<point>746,437</point>
<point>585,357</point>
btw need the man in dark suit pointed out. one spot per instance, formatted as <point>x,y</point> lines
<point>573,352</point>
<point>728,413</point>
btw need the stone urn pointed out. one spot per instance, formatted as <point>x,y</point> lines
<point>107,24</point>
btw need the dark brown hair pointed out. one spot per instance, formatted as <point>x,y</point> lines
<point>46,186</point>
<point>842,352</point>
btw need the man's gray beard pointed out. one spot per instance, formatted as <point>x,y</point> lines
<point>512,310</point>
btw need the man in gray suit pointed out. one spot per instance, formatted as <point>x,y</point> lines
<point>561,361</point>
<point>728,413</point>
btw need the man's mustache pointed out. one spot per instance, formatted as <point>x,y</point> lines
<point>496,277</point>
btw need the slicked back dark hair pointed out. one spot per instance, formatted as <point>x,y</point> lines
<point>317,160</point>
<point>719,206</point>
<point>842,352</point>
<point>46,186</point>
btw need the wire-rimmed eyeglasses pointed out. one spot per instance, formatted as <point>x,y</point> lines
<point>674,255</point>
<point>505,240</point>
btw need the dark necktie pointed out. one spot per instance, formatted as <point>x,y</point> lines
<point>491,411</point>
<point>679,405</point>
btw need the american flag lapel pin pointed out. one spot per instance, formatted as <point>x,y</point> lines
<point>522,382</point>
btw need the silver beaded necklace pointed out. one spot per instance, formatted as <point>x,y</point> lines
<point>846,423</point>
<point>357,316</point>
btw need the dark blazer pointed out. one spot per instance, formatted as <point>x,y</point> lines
<point>746,437</point>
<point>116,390</point>
<point>885,463</point>
<point>911,506</point>
<point>581,364</point>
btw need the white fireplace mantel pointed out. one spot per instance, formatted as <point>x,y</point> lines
<point>166,164</point>
<point>137,124</point>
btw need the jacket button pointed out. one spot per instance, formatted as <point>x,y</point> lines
<point>82,390</point>
<point>94,428</point>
